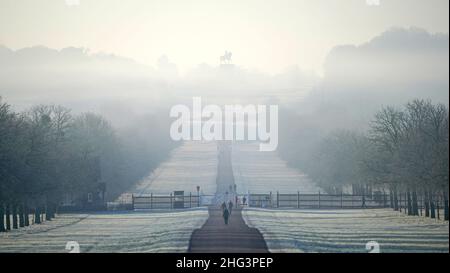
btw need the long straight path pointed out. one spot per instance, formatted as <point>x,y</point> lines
<point>215,236</point>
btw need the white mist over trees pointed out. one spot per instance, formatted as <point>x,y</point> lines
<point>49,158</point>
<point>394,67</point>
<point>378,120</point>
<point>328,125</point>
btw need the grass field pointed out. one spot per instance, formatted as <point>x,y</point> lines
<point>264,172</point>
<point>109,232</point>
<point>347,230</point>
<point>192,164</point>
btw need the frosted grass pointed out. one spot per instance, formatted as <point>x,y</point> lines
<point>192,164</point>
<point>165,232</point>
<point>264,172</point>
<point>347,230</point>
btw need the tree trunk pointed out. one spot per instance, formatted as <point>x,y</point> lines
<point>2,218</point>
<point>396,208</point>
<point>42,214</point>
<point>37,215</point>
<point>432,208</point>
<point>52,210</point>
<point>438,209</point>
<point>55,210</point>
<point>26,213</point>
<point>408,197</point>
<point>445,206</point>
<point>14,216</point>
<point>391,199</point>
<point>21,216</point>
<point>415,205</point>
<point>406,202</point>
<point>48,214</point>
<point>8,217</point>
<point>421,205</point>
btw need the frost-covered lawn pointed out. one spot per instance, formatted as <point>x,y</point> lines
<point>109,232</point>
<point>192,164</point>
<point>347,230</point>
<point>264,172</point>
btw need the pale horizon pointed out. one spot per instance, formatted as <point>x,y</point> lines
<point>269,37</point>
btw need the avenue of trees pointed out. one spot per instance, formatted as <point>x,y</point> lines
<point>47,154</point>
<point>404,153</point>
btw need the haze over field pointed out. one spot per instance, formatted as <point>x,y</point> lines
<point>133,61</point>
<point>120,105</point>
<point>152,54</point>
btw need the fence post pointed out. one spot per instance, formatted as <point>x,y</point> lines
<point>319,199</point>
<point>278,199</point>
<point>298,199</point>
<point>248,201</point>
<point>132,201</point>
<point>270,198</point>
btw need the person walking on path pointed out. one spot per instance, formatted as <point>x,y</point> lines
<point>230,206</point>
<point>226,214</point>
<point>223,206</point>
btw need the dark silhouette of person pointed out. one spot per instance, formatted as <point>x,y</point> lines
<point>226,214</point>
<point>230,206</point>
<point>244,200</point>
<point>223,206</point>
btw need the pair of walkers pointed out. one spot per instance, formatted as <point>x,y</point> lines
<point>226,211</point>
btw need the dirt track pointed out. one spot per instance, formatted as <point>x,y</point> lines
<point>215,236</point>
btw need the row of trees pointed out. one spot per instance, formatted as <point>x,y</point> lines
<point>404,153</point>
<point>49,156</point>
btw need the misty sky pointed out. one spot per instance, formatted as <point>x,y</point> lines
<point>268,35</point>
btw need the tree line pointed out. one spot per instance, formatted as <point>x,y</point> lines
<point>47,155</point>
<point>404,154</point>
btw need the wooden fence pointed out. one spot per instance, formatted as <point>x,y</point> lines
<point>317,201</point>
<point>151,201</point>
<point>334,201</point>
<point>277,200</point>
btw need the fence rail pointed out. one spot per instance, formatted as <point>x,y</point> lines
<point>166,201</point>
<point>275,200</point>
<point>318,201</point>
<point>336,201</point>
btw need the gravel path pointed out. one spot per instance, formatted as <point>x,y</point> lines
<point>215,236</point>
